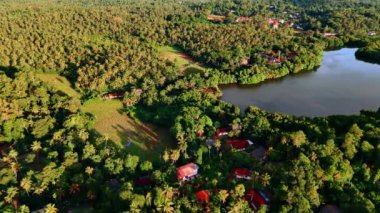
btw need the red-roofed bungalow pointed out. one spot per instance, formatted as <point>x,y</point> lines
<point>221,132</point>
<point>242,173</point>
<point>330,34</point>
<point>255,199</point>
<point>239,144</point>
<point>274,23</point>
<point>273,60</point>
<point>203,196</point>
<point>243,19</point>
<point>187,172</point>
<point>114,95</point>
<point>215,18</point>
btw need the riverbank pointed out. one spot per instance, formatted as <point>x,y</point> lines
<point>341,85</point>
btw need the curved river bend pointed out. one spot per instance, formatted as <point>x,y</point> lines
<point>341,85</point>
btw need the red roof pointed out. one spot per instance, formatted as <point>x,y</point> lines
<point>113,95</point>
<point>215,18</point>
<point>222,132</point>
<point>239,144</point>
<point>242,173</point>
<point>254,199</point>
<point>203,196</point>
<point>243,18</point>
<point>187,171</point>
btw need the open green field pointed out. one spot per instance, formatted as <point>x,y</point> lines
<point>59,82</point>
<point>147,140</point>
<point>110,122</point>
<point>184,62</point>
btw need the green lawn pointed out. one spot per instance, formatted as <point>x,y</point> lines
<point>185,62</point>
<point>58,82</point>
<point>147,140</point>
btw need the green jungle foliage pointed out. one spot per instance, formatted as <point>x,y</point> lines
<point>52,159</point>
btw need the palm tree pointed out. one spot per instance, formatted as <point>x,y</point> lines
<point>26,184</point>
<point>12,192</point>
<point>217,145</point>
<point>39,189</point>
<point>148,199</point>
<point>74,188</point>
<point>50,208</point>
<point>13,154</point>
<point>168,207</point>
<point>174,156</point>
<point>182,144</point>
<point>168,193</point>
<point>36,147</point>
<point>223,195</point>
<point>166,156</point>
<point>89,170</point>
<point>24,209</point>
<point>15,168</point>
<point>265,179</point>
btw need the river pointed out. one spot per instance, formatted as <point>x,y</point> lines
<point>341,85</point>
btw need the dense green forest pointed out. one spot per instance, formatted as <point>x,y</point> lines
<point>53,159</point>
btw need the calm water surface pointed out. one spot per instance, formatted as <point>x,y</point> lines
<point>341,85</point>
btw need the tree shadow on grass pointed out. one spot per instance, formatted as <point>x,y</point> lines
<point>146,140</point>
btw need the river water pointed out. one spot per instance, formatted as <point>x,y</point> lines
<point>341,85</point>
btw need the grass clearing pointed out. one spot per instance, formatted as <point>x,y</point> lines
<point>58,82</point>
<point>147,140</point>
<point>185,62</point>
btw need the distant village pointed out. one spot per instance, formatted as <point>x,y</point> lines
<point>276,23</point>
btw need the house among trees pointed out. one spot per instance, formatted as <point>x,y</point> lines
<point>239,144</point>
<point>274,23</point>
<point>221,132</point>
<point>330,34</point>
<point>211,91</point>
<point>274,60</point>
<point>289,24</point>
<point>245,61</point>
<point>113,95</point>
<point>256,199</point>
<point>203,196</point>
<point>216,18</point>
<point>244,19</point>
<point>242,173</point>
<point>187,172</point>
<point>372,33</point>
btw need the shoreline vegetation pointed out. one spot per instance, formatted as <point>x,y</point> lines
<point>104,103</point>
